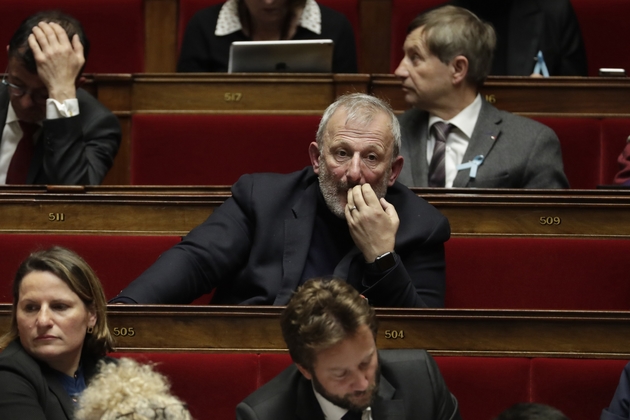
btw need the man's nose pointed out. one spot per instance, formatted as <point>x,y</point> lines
<point>361,382</point>
<point>401,71</point>
<point>354,171</point>
<point>26,101</point>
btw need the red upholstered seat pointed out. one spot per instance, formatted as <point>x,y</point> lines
<point>536,273</point>
<point>403,12</point>
<point>485,386</point>
<point>115,29</point>
<point>271,365</point>
<point>615,133</point>
<point>604,25</point>
<point>117,260</point>
<point>211,384</point>
<point>350,8</point>
<point>580,140</point>
<point>217,149</point>
<point>579,388</point>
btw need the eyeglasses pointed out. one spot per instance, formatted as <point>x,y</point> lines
<point>169,412</point>
<point>18,91</point>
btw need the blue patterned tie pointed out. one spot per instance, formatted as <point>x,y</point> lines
<point>437,171</point>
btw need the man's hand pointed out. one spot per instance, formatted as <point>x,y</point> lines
<point>59,62</point>
<point>373,223</point>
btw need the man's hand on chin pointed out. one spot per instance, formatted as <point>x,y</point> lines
<point>373,223</point>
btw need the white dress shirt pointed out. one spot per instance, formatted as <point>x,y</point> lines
<point>457,140</point>
<point>12,132</point>
<point>334,412</point>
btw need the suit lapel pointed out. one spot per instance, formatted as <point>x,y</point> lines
<point>297,241</point>
<point>484,136</point>
<point>38,156</point>
<point>4,106</point>
<point>384,406</point>
<point>524,37</point>
<point>414,147</point>
<point>57,389</point>
<point>307,407</point>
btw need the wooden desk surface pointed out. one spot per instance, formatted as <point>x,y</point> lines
<point>441,331</point>
<point>312,93</point>
<point>556,96</point>
<point>129,210</point>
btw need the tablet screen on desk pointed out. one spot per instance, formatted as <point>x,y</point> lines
<point>308,56</point>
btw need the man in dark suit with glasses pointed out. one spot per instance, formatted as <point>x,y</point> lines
<point>52,131</point>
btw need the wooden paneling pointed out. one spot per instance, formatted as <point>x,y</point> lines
<point>441,331</point>
<point>557,96</point>
<point>176,210</point>
<point>160,54</point>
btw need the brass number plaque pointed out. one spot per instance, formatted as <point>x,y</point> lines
<point>491,99</point>
<point>123,332</point>
<point>232,96</point>
<point>57,217</point>
<point>394,334</point>
<point>550,220</point>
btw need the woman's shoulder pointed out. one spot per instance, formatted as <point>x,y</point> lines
<point>14,356</point>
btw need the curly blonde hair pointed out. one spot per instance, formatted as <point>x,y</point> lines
<point>132,391</point>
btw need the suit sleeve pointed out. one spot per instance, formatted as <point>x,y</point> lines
<point>573,54</point>
<point>337,26</point>
<point>445,403</point>
<point>211,253</point>
<point>245,412</point>
<point>418,280</point>
<point>80,150</point>
<point>18,398</point>
<point>544,168</point>
<point>195,51</point>
<point>619,408</point>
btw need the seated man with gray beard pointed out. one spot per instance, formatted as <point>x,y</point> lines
<point>345,216</point>
<point>338,374</point>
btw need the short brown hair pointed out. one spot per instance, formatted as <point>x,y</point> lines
<point>322,313</point>
<point>77,274</point>
<point>450,31</point>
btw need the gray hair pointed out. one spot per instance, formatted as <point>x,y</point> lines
<point>450,31</point>
<point>361,108</point>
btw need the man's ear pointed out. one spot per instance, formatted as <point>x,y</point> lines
<point>459,66</point>
<point>304,371</point>
<point>313,153</point>
<point>397,166</point>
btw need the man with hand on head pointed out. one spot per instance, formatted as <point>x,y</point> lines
<point>452,137</point>
<point>345,215</point>
<point>53,132</point>
<point>330,331</point>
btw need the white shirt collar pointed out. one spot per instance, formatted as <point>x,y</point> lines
<point>11,116</point>
<point>467,118</point>
<point>229,22</point>
<point>332,411</point>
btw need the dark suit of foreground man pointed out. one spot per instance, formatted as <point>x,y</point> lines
<point>73,138</point>
<point>330,331</point>
<point>346,215</point>
<point>448,54</point>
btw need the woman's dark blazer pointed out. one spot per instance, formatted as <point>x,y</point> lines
<point>30,390</point>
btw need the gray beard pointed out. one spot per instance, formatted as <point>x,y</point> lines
<point>333,190</point>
